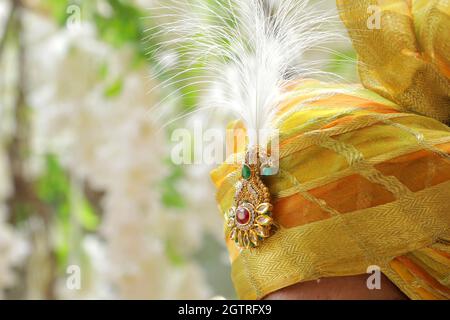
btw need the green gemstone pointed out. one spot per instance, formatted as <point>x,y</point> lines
<point>246,172</point>
<point>267,171</point>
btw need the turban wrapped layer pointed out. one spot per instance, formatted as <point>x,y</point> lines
<point>364,174</point>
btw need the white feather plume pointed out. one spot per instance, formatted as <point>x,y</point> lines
<point>248,50</point>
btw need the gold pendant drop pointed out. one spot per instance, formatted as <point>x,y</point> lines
<point>249,221</point>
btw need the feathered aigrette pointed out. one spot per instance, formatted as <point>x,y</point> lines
<point>240,54</point>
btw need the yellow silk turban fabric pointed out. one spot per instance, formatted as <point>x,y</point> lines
<point>364,174</point>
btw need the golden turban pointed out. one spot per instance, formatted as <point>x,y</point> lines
<point>364,169</point>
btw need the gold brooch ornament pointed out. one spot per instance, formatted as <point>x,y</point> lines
<point>249,221</point>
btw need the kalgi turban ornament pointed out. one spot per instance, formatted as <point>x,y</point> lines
<point>363,172</point>
<point>249,220</point>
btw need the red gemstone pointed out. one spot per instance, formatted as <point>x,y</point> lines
<point>242,215</point>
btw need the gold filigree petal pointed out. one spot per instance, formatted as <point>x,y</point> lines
<point>240,238</point>
<point>246,240</point>
<point>253,237</point>
<point>233,233</point>
<point>229,217</point>
<point>261,231</point>
<point>263,208</point>
<point>264,220</point>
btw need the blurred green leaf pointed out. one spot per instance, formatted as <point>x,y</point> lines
<point>88,218</point>
<point>174,255</point>
<point>343,64</point>
<point>171,196</point>
<point>114,89</point>
<point>58,9</point>
<point>103,71</point>
<point>62,242</point>
<point>55,189</point>
<point>123,26</point>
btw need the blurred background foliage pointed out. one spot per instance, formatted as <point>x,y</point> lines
<point>85,174</point>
